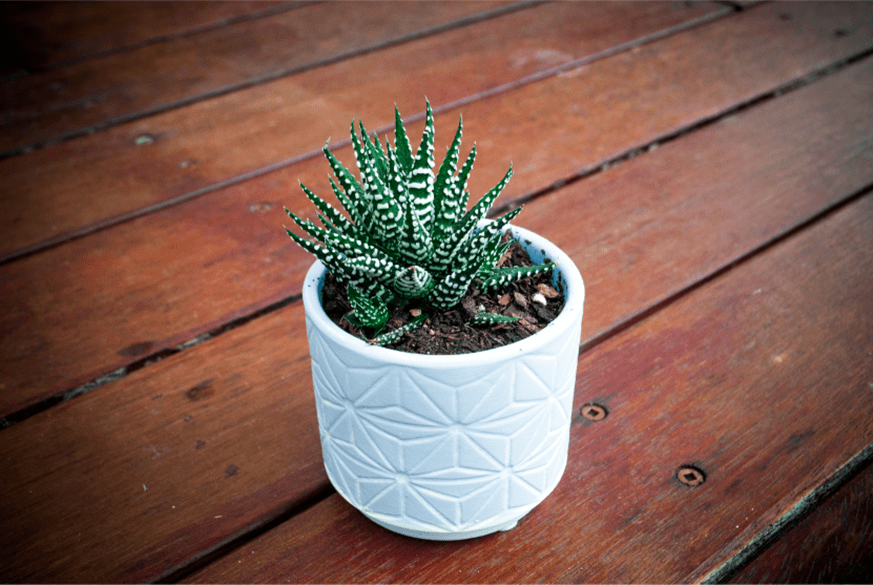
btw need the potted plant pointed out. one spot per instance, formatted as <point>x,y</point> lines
<point>441,447</point>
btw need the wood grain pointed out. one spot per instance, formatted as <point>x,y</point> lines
<point>58,191</point>
<point>252,230</point>
<point>123,484</point>
<point>125,293</point>
<point>52,105</point>
<point>833,544</point>
<point>249,392</point>
<point>729,378</point>
<point>48,34</point>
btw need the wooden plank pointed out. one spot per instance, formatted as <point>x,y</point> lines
<point>51,105</point>
<point>84,182</point>
<point>130,291</point>
<point>745,405</point>
<point>162,455</point>
<point>244,418</point>
<point>48,34</point>
<point>831,545</point>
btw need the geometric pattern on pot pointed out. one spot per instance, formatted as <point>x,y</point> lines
<point>437,450</point>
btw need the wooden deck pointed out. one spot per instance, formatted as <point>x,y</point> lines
<point>708,166</point>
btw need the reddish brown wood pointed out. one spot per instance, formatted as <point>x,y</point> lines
<point>730,378</point>
<point>249,391</point>
<point>46,34</point>
<point>126,482</point>
<point>834,544</point>
<point>41,107</point>
<point>130,290</point>
<point>93,178</point>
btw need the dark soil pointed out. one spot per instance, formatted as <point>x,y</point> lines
<point>448,332</point>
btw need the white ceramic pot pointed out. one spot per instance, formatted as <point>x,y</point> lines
<point>447,447</point>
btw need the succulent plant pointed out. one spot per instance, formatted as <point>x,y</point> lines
<point>408,238</point>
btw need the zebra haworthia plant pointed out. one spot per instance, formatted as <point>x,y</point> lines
<point>407,238</point>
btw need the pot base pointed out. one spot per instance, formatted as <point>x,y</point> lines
<point>429,535</point>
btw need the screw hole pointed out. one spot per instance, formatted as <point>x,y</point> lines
<point>593,412</point>
<point>690,476</point>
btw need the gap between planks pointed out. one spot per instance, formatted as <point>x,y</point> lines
<point>258,80</point>
<point>66,62</point>
<point>505,206</point>
<point>742,252</point>
<point>791,518</point>
<point>786,521</point>
<point>586,345</point>
<point>502,88</point>
<point>728,568</point>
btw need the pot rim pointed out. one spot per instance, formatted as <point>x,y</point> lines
<point>574,293</point>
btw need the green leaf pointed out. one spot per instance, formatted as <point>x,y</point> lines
<point>421,176</point>
<point>397,179</point>
<point>350,206</point>
<point>366,311</point>
<point>480,210</point>
<point>444,204</point>
<point>493,252</point>
<point>448,292</point>
<point>415,244</point>
<point>503,276</point>
<point>310,228</point>
<point>401,143</point>
<point>448,252</point>
<point>387,224</point>
<point>374,153</point>
<point>337,219</point>
<point>354,192</point>
<point>397,334</point>
<point>376,269</point>
<point>353,247</point>
<point>331,260</point>
<point>485,318</point>
<point>479,240</point>
<point>459,185</point>
<point>414,282</point>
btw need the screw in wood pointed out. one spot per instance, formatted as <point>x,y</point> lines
<point>593,411</point>
<point>690,476</point>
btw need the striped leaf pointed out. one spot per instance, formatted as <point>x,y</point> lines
<point>396,335</point>
<point>502,276</point>
<point>354,193</point>
<point>366,312</point>
<point>485,318</point>
<point>406,233</point>
<point>332,261</point>
<point>353,247</point>
<point>444,204</point>
<point>331,214</point>
<point>414,282</point>
<point>421,176</point>
<point>459,185</point>
<point>448,292</point>
<point>482,206</point>
<point>376,269</point>
<point>401,143</point>
<point>415,245</point>
<point>494,251</point>
<point>447,250</point>
<point>350,206</point>
<point>385,209</point>
<point>478,241</point>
